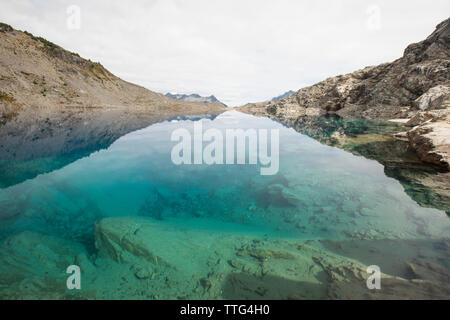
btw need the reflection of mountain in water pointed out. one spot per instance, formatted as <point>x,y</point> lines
<point>49,145</point>
<point>46,145</point>
<point>373,140</point>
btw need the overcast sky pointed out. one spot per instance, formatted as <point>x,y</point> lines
<point>239,50</point>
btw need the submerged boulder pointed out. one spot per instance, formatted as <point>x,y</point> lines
<point>146,242</point>
<point>33,266</point>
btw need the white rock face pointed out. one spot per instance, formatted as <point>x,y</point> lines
<point>433,98</point>
<point>431,140</point>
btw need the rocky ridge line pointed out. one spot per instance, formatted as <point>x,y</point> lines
<point>414,88</point>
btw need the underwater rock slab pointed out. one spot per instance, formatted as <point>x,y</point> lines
<point>141,258</point>
<point>142,241</point>
<point>33,266</point>
<point>348,281</point>
<point>207,265</point>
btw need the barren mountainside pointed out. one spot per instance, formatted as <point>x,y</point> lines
<point>54,102</point>
<point>195,98</point>
<point>35,72</point>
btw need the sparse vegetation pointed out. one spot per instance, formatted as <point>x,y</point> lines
<point>53,48</point>
<point>98,70</point>
<point>46,43</point>
<point>44,92</point>
<point>5,27</point>
<point>6,97</point>
<point>11,113</point>
<point>28,34</point>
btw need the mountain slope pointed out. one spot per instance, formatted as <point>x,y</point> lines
<point>53,103</point>
<point>35,73</point>
<point>382,91</point>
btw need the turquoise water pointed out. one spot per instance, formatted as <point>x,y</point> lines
<point>319,193</point>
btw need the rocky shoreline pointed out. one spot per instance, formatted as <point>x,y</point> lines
<point>413,91</point>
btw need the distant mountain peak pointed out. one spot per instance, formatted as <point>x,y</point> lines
<point>284,95</point>
<point>194,97</point>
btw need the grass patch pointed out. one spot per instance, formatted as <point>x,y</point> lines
<point>45,42</point>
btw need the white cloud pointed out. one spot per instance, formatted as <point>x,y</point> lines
<point>239,50</point>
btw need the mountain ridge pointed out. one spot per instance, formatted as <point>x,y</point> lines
<point>53,102</point>
<point>35,72</point>
<point>194,97</point>
<point>282,96</point>
<point>414,88</point>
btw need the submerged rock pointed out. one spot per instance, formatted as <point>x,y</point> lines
<point>143,259</point>
<point>349,281</point>
<point>415,87</point>
<point>145,242</point>
<point>33,266</point>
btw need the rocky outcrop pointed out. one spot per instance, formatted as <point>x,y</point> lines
<point>417,82</point>
<point>382,91</point>
<point>282,96</point>
<point>53,103</point>
<point>437,97</point>
<point>35,73</point>
<point>431,137</point>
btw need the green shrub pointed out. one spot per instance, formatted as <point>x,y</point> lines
<point>46,43</point>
